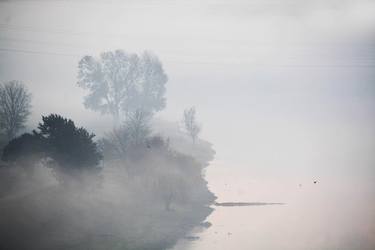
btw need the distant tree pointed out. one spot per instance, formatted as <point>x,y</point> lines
<point>190,123</point>
<point>138,127</point>
<point>15,104</point>
<point>69,146</point>
<point>133,133</point>
<point>122,83</point>
<point>151,86</point>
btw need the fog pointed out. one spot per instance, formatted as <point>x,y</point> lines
<point>284,91</point>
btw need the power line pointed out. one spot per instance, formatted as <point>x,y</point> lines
<point>242,43</point>
<point>41,42</point>
<point>204,63</point>
<point>56,32</point>
<point>37,52</point>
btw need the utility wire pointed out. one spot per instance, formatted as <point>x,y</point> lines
<point>37,52</point>
<point>74,46</point>
<point>24,51</point>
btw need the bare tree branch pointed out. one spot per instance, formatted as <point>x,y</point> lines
<point>15,105</point>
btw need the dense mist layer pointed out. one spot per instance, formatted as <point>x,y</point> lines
<point>147,199</point>
<point>283,89</point>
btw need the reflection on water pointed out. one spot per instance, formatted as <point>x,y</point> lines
<point>329,214</point>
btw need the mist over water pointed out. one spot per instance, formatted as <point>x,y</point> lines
<point>284,90</point>
<point>328,215</point>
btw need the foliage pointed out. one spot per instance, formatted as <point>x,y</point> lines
<point>68,145</point>
<point>58,138</point>
<point>3,141</point>
<point>15,104</point>
<point>23,147</point>
<point>122,84</point>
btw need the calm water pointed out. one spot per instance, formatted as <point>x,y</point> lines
<point>331,214</point>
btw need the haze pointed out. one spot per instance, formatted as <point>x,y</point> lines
<point>284,90</point>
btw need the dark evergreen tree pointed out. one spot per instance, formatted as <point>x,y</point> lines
<point>24,147</point>
<point>69,146</point>
<point>58,138</point>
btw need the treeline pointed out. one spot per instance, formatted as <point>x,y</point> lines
<point>134,188</point>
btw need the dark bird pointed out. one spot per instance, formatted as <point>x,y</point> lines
<point>315,182</point>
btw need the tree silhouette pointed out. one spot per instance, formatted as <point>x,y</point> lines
<point>15,104</point>
<point>121,84</point>
<point>138,127</point>
<point>190,123</point>
<point>24,147</point>
<point>68,145</point>
<point>58,138</point>
<point>132,135</point>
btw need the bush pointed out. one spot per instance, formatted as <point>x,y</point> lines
<point>23,147</point>
<point>58,138</point>
<point>69,146</point>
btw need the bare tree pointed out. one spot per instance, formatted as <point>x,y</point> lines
<point>190,123</point>
<point>121,84</point>
<point>133,132</point>
<point>15,104</point>
<point>138,127</point>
